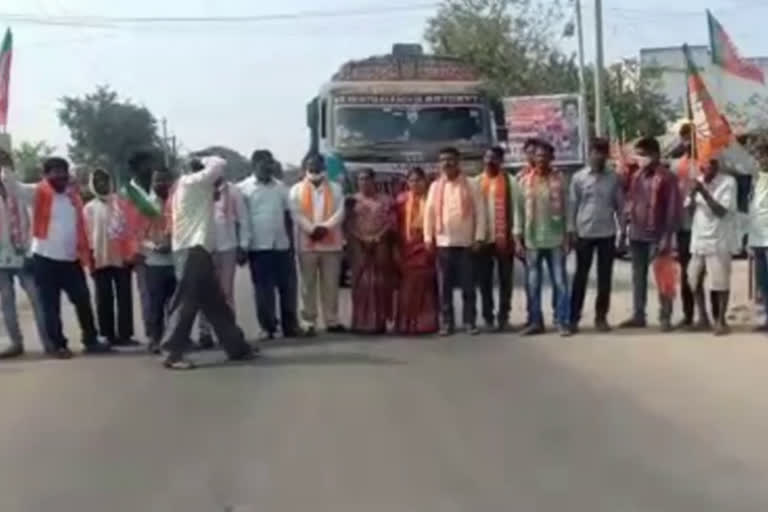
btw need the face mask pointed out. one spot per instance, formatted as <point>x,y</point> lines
<point>316,178</point>
<point>643,161</point>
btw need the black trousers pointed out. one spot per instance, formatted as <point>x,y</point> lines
<point>275,270</point>
<point>585,250</point>
<point>53,277</point>
<point>161,285</point>
<point>455,270</point>
<point>486,259</point>
<point>684,258</point>
<point>198,291</point>
<point>113,286</point>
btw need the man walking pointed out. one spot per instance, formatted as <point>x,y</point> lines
<point>654,213</point>
<point>270,246</point>
<point>15,232</point>
<point>595,209</point>
<point>230,220</point>
<point>497,248</point>
<point>111,273</point>
<point>198,290</point>
<point>60,250</point>
<point>758,230</point>
<point>317,205</point>
<point>540,235</point>
<point>454,223</point>
<point>714,237</point>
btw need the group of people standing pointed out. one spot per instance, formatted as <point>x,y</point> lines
<point>184,237</point>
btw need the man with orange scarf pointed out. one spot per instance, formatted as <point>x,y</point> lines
<point>684,168</point>
<point>655,206</point>
<point>540,236</point>
<point>454,222</point>
<point>60,251</point>
<point>317,205</point>
<point>497,248</point>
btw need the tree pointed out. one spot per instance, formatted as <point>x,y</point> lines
<point>28,158</point>
<point>106,130</point>
<point>238,167</point>
<point>514,46</point>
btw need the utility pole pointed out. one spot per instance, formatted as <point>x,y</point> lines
<point>599,64</point>
<point>166,155</point>
<point>582,82</point>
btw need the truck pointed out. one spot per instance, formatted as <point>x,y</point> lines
<point>393,112</point>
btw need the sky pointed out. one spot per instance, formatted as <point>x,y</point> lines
<point>246,85</point>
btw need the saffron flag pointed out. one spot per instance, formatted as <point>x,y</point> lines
<point>5,76</point>
<point>725,54</point>
<point>713,133</point>
<point>617,150</point>
<point>140,200</point>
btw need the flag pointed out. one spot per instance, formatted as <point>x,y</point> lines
<point>713,133</point>
<point>725,54</point>
<point>5,76</point>
<point>135,195</point>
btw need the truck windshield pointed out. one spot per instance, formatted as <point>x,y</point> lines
<point>368,125</point>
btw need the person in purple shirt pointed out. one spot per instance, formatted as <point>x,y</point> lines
<point>654,205</point>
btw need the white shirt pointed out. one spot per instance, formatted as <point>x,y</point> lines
<point>459,229</point>
<point>230,220</point>
<point>266,204</point>
<point>306,225</point>
<point>758,212</point>
<point>192,207</point>
<point>711,234</point>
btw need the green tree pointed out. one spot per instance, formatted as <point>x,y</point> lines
<point>238,167</point>
<point>28,158</point>
<point>105,130</point>
<point>514,46</point>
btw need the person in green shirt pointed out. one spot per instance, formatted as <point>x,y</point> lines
<point>540,236</point>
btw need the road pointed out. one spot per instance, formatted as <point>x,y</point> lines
<point>636,422</point>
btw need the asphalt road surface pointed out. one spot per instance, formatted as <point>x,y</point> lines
<point>614,423</point>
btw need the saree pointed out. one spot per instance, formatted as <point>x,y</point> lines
<point>417,303</point>
<point>369,229</point>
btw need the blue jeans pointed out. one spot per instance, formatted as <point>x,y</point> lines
<point>761,273</point>
<point>8,303</point>
<point>555,261</point>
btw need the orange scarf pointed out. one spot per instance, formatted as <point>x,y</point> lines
<point>414,214</point>
<point>42,218</point>
<point>466,199</point>
<point>556,187</point>
<point>500,207</point>
<point>308,207</point>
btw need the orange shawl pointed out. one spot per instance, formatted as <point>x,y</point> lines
<point>43,207</point>
<point>414,214</point>
<point>308,207</point>
<point>500,206</point>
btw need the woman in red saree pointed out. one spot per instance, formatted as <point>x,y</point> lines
<point>417,304</point>
<point>370,230</point>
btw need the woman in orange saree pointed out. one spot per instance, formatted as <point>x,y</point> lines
<point>370,230</point>
<point>417,304</point>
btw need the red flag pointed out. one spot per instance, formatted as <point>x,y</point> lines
<point>725,54</point>
<point>5,76</point>
<point>713,133</point>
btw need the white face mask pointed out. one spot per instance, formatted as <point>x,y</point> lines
<point>643,161</point>
<point>316,178</point>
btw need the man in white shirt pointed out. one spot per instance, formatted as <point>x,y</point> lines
<point>111,269</point>
<point>270,249</point>
<point>758,230</point>
<point>193,241</point>
<point>454,223</point>
<point>60,250</point>
<point>713,202</point>
<point>317,205</point>
<point>15,233</point>
<point>230,221</point>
